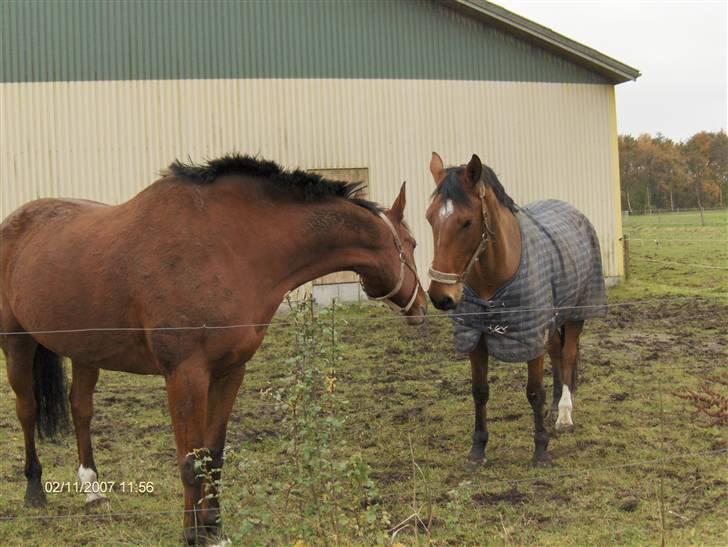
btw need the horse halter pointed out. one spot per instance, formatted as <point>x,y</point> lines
<point>452,278</point>
<point>387,298</point>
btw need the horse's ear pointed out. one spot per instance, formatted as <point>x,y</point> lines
<point>474,169</point>
<point>436,167</point>
<point>397,208</point>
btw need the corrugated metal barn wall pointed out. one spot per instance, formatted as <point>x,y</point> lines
<point>107,139</point>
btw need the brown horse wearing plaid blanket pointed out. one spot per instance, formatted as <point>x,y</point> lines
<point>180,281</point>
<point>519,282</point>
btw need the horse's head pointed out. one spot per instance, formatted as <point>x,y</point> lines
<point>459,227</point>
<point>396,278</point>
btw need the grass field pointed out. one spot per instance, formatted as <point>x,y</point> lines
<point>674,252</point>
<point>639,467</point>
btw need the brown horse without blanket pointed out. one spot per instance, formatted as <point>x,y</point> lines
<point>179,281</point>
<point>520,282</point>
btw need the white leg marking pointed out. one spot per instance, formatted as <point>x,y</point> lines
<point>565,408</point>
<point>89,484</point>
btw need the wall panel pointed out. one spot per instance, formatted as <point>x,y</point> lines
<point>107,140</point>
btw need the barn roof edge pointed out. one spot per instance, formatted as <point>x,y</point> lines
<point>546,38</point>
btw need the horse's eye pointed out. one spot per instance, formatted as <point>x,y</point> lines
<point>467,224</point>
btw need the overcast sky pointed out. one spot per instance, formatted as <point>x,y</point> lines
<point>680,47</point>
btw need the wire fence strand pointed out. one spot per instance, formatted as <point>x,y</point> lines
<point>586,470</point>
<point>205,327</point>
<point>668,240</point>
<point>673,263</point>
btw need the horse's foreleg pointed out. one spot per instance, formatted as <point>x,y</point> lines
<point>82,409</point>
<point>569,356</point>
<point>187,390</point>
<point>536,394</point>
<point>220,402</point>
<point>480,390</point>
<point>19,356</point>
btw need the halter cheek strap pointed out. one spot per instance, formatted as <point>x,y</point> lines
<point>387,298</point>
<point>453,278</point>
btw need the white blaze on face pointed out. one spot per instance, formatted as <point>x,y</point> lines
<point>89,484</point>
<point>565,408</point>
<point>446,210</point>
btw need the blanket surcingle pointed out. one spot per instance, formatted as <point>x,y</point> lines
<point>559,278</point>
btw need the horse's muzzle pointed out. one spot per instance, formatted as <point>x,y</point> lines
<point>418,317</point>
<point>444,297</point>
<point>444,303</point>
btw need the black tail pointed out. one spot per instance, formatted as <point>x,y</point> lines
<point>51,394</point>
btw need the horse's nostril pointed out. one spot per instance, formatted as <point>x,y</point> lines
<point>444,303</point>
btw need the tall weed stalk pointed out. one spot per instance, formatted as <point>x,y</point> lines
<point>324,496</point>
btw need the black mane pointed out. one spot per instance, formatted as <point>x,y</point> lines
<point>297,184</point>
<point>451,188</point>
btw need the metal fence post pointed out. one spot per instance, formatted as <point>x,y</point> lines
<point>625,245</point>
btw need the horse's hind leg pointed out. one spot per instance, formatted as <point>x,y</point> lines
<point>554,346</point>
<point>536,394</point>
<point>19,353</point>
<point>82,409</point>
<point>569,357</point>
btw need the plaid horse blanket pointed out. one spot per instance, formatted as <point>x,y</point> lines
<point>559,278</point>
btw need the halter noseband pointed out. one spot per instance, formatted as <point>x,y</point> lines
<point>387,298</point>
<point>452,278</point>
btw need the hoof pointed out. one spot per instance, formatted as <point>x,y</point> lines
<point>98,500</point>
<point>563,428</point>
<point>476,457</point>
<point>220,540</point>
<point>190,538</point>
<point>542,460</point>
<point>205,535</point>
<point>37,499</point>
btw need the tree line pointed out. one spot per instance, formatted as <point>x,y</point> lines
<point>658,173</point>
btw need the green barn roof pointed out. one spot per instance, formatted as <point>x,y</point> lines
<point>546,38</point>
<point>91,40</point>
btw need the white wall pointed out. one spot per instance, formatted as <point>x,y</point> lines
<point>107,140</point>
